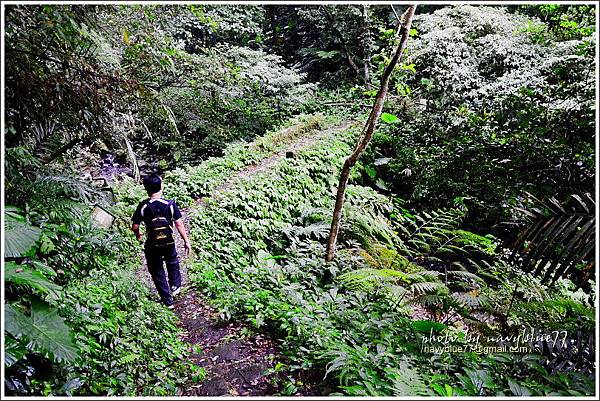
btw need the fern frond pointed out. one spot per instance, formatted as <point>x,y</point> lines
<point>365,226</point>
<point>422,276</point>
<point>396,293</point>
<point>407,381</point>
<point>427,300</point>
<point>426,287</point>
<point>465,275</point>
<point>381,257</point>
<point>560,242</point>
<point>313,214</point>
<point>471,299</point>
<point>315,230</point>
<point>59,185</point>
<point>368,279</point>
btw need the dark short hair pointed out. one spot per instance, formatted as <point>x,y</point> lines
<point>152,183</point>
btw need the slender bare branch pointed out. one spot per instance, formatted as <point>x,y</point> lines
<point>367,132</point>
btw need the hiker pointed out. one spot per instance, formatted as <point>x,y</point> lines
<point>158,215</point>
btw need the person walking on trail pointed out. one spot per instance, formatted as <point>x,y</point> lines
<point>159,215</point>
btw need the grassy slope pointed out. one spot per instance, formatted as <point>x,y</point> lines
<point>254,259</point>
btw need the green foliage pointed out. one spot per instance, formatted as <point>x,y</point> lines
<point>45,331</point>
<point>92,329</point>
<point>20,236</point>
<point>260,247</point>
<point>559,313</point>
<point>492,103</point>
<point>565,22</point>
<point>494,112</point>
<point>13,351</point>
<point>253,93</point>
<point>205,177</point>
<point>435,237</point>
<point>560,241</point>
<point>358,371</point>
<point>32,278</point>
<point>129,343</point>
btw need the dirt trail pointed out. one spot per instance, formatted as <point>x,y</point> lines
<point>236,362</point>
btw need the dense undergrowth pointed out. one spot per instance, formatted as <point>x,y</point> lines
<point>112,338</point>
<point>471,213</point>
<point>259,256</point>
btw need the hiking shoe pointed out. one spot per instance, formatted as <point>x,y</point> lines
<point>175,290</point>
<point>172,306</point>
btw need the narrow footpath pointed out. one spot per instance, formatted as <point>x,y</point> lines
<point>236,359</point>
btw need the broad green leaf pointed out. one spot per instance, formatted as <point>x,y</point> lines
<point>409,67</point>
<point>371,172</point>
<point>25,275</point>
<point>45,331</point>
<point>388,118</point>
<point>449,390</point>
<point>13,351</point>
<point>19,235</point>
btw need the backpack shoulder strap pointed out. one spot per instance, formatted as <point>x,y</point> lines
<point>152,208</point>
<point>170,207</point>
<point>160,211</point>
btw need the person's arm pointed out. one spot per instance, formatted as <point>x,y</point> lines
<point>183,232</point>
<point>136,229</point>
<point>177,218</point>
<point>136,219</point>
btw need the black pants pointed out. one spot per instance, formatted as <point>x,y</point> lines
<point>154,259</point>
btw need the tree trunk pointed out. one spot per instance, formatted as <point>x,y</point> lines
<point>367,132</point>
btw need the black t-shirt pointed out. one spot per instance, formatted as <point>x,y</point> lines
<point>145,213</point>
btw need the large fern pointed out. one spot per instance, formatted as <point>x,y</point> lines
<point>64,186</point>
<point>435,240</point>
<point>368,279</point>
<point>360,223</point>
<point>392,275</point>
<point>560,240</point>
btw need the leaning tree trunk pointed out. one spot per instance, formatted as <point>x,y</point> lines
<point>367,132</point>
